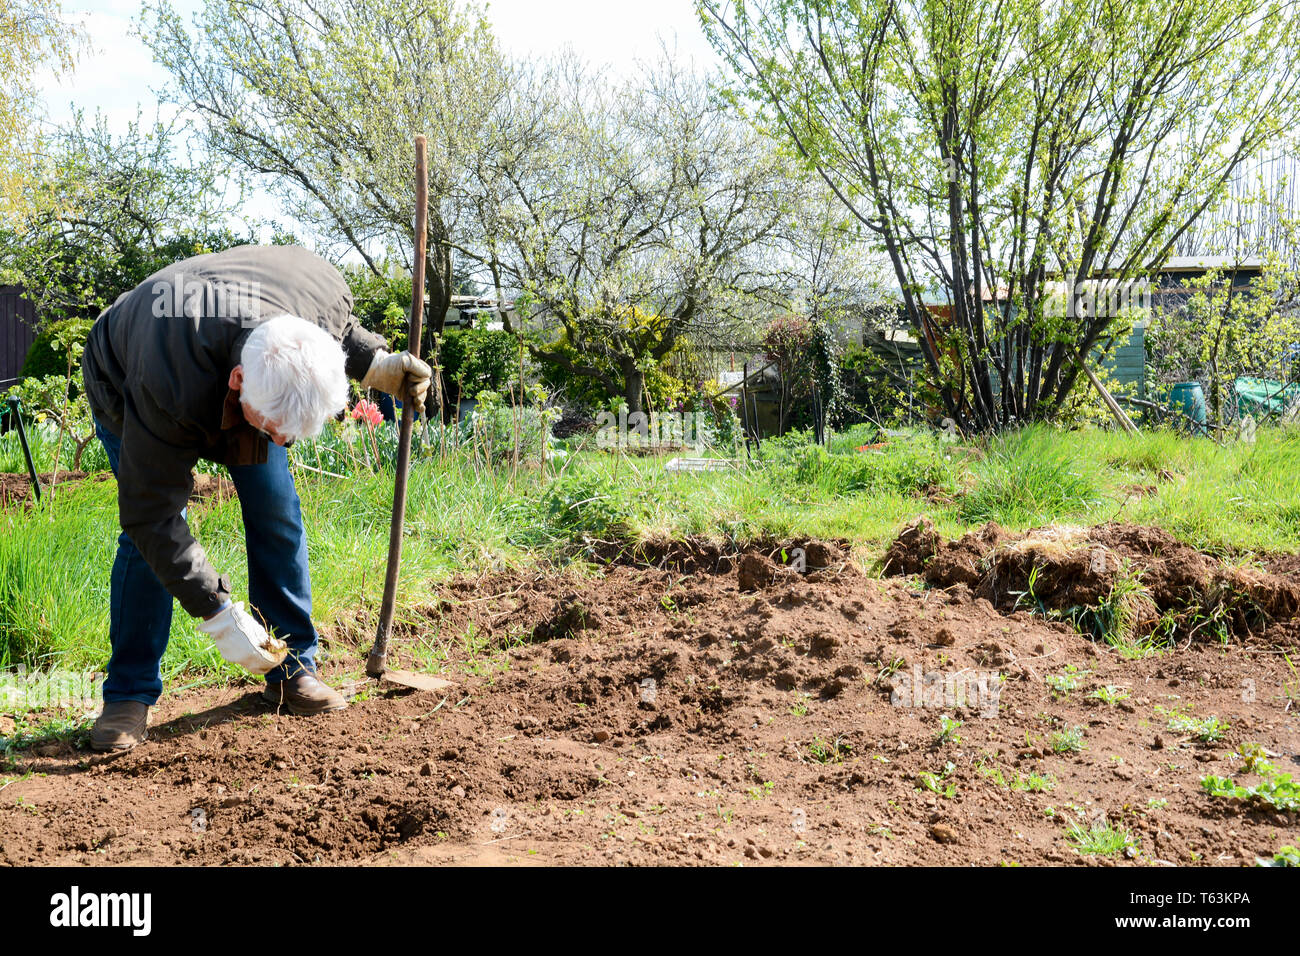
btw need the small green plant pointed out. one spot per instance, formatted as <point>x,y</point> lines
<point>1275,788</point>
<point>1068,740</point>
<point>761,791</point>
<point>934,781</point>
<point>1119,618</point>
<point>834,751</point>
<point>889,669</point>
<point>948,727</point>
<point>1027,596</point>
<point>1035,783</point>
<point>1205,729</point>
<point>1068,680</point>
<point>1291,689</point>
<point>1099,839</point>
<point>1110,695</point>
<point>1251,756</point>
<point>1286,856</point>
<point>987,766</point>
<point>800,707</point>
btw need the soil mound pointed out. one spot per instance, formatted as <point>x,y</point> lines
<point>1114,577</point>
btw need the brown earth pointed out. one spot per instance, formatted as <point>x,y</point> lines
<point>662,715</point>
<point>15,488</point>
<point>1079,570</point>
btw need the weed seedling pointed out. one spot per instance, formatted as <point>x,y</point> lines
<point>934,782</point>
<point>948,730</point>
<point>1286,856</point>
<point>889,669</point>
<point>1066,681</point>
<point>1069,740</point>
<point>1100,839</point>
<point>1109,695</point>
<point>1035,783</point>
<point>1275,789</point>
<point>821,751</point>
<point>1205,729</point>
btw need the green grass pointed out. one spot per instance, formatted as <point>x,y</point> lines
<point>1069,740</point>
<point>42,438</point>
<point>1099,839</point>
<point>1031,477</point>
<point>833,751</point>
<point>465,517</point>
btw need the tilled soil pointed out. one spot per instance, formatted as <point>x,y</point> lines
<point>686,705</point>
<point>16,488</point>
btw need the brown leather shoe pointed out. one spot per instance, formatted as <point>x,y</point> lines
<point>120,726</point>
<point>304,694</point>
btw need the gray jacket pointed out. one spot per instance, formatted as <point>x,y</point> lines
<point>156,370</point>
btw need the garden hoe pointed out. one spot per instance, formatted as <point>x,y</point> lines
<point>377,661</point>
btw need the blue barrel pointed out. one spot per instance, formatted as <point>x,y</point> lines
<point>1189,398</point>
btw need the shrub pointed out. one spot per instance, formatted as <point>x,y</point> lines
<point>873,391</point>
<point>480,359</point>
<point>48,356</point>
<point>497,430</point>
<point>587,503</point>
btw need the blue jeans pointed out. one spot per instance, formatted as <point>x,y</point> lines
<point>279,588</point>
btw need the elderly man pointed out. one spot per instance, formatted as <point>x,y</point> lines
<point>228,357</point>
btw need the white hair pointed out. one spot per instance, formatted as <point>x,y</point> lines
<point>293,375</point>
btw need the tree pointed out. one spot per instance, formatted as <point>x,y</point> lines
<point>1223,331</point>
<point>106,211</point>
<point>33,34</point>
<point>996,147</point>
<point>1260,215</point>
<point>625,217</point>
<point>325,98</point>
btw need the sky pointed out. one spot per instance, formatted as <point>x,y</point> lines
<point>117,75</point>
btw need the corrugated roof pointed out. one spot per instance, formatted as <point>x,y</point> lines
<point>1205,263</point>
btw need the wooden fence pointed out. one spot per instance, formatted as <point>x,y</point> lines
<point>17,330</point>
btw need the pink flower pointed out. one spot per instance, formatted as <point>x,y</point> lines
<point>367,412</point>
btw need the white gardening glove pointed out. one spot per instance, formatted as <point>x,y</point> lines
<point>398,374</point>
<point>241,640</point>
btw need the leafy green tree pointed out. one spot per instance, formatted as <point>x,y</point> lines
<point>110,210</point>
<point>325,98</point>
<point>625,217</point>
<point>34,34</point>
<point>482,359</point>
<point>381,300</point>
<point>1225,330</point>
<point>993,148</point>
